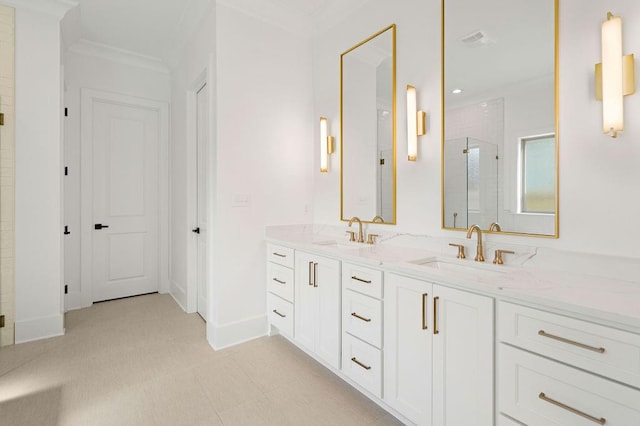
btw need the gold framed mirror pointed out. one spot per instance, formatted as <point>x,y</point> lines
<point>499,146</point>
<point>368,129</point>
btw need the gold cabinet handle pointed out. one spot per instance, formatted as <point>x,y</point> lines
<point>545,398</point>
<point>275,311</point>
<point>353,314</point>
<point>435,315</point>
<point>279,282</point>
<point>366,367</point>
<point>571,342</point>
<point>310,273</point>
<point>315,275</point>
<point>279,255</point>
<point>424,311</point>
<point>361,280</point>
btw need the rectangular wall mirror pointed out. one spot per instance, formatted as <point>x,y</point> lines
<point>499,121</point>
<point>368,129</point>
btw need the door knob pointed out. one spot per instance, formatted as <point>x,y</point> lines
<point>196,230</point>
<point>99,226</point>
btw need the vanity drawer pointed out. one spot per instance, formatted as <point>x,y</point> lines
<point>362,363</point>
<point>280,314</point>
<point>362,317</point>
<point>280,281</point>
<point>602,350</point>
<point>280,255</point>
<point>362,279</point>
<point>538,391</point>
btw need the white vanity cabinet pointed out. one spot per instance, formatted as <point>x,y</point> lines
<point>317,306</point>
<point>557,370</point>
<point>438,347</point>
<point>280,288</point>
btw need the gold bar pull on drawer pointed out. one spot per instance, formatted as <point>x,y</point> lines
<point>361,280</point>
<point>571,342</point>
<point>353,314</point>
<point>600,421</point>
<point>279,255</point>
<point>279,282</point>
<point>275,311</point>
<point>366,367</point>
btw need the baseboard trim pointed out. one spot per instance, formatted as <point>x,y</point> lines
<point>39,328</point>
<point>179,295</point>
<point>231,334</point>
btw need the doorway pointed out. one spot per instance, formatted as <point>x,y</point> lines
<point>123,196</point>
<point>201,228</point>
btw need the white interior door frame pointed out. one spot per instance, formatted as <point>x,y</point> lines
<point>192,188</point>
<point>88,98</point>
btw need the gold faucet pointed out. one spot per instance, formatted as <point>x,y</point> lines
<point>495,226</point>
<point>479,256</point>
<point>360,233</point>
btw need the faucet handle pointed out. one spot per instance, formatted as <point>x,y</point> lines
<point>498,256</point>
<point>371,239</point>
<point>352,235</point>
<point>461,254</point>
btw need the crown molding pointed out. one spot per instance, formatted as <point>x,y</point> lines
<point>114,54</point>
<point>55,8</point>
<point>271,13</point>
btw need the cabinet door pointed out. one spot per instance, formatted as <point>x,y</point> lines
<point>317,306</point>
<point>306,302</point>
<point>407,347</point>
<point>328,330</point>
<point>463,349</point>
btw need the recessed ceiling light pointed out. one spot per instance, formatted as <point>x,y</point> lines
<point>456,91</point>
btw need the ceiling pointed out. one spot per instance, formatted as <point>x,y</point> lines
<point>158,29</point>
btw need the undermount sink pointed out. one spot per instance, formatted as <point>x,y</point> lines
<point>466,267</point>
<point>338,243</point>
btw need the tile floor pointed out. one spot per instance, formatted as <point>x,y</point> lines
<point>143,361</point>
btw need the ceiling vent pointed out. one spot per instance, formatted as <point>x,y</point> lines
<point>476,39</point>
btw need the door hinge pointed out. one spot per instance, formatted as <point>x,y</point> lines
<point>1,321</point>
<point>1,119</point>
<point>465,151</point>
<point>66,112</point>
<point>66,289</point>
<point>66,230</point>
<point>66,171</point>
<point>382,161</point>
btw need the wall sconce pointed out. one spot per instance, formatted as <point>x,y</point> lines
<point>614,76</point>
<point>416,123</point>
<point>326,145</point>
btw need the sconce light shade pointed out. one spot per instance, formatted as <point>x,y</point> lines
<point>326,145</point>
<point>416,123</point>
<point>614,76</point>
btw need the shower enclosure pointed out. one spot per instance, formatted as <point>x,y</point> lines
<point>470,182</point>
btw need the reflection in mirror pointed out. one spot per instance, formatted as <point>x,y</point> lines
<point>367,129</point>
<point>499,144</point>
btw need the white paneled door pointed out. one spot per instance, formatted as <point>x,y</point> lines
<point>125,189</point>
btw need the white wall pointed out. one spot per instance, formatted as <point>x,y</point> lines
<point>599,202</point>
<point>39,310</point>
<point>99,73</point>
<point>262,131</point>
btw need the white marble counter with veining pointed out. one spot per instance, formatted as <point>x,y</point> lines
<point>592,287</point>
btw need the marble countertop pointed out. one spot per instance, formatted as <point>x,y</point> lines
<point>565,282</point>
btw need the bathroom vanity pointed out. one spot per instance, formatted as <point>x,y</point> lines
<point>437,340</point>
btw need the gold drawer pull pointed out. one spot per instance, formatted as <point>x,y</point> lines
<point>275,311</point>
<point>279,255</point>
<point>279,282</point>
<point>353,314</point>
<point>366,367</point>
<point>424,311</point>
<point>361,280</point>
<point>571,342</point>
<point>600,420</point>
